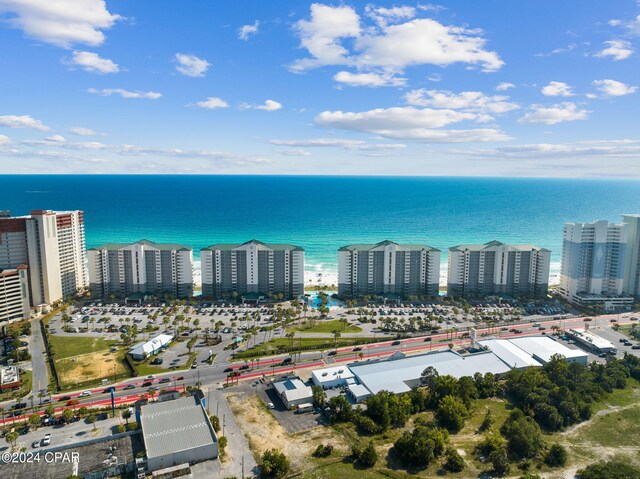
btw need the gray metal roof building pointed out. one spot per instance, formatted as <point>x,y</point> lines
<point>177,432</point>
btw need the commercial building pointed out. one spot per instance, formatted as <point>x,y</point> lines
<point>328,378</point>
<point>401,373</point>
<point>52,245</point>
<point>593,260</point>
<point>253,270</point>
<point>161,270</point>
<point>177,432</point>
<point>9,377</point>
<point>388,268</point>
<point>531,351</point>
<point>591,341</point>
<point>631,283</point>
<point>293,392</point>
<point>14,295</point>
<point>495,268</point>
<point>148,348</point>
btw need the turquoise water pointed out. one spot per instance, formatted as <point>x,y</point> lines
<point>323,213</point>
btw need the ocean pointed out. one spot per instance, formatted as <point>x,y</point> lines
<point>323,213</point>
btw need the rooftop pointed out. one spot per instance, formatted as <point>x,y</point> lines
<point>544,348</point>
<point>151,244</point>
<point>272,246</point>
<point>331,374</point>
<point>400,375</point>
<point>510,353</point>
<point>177,425</point>
<point>495,244</point>
<point>402,247</point>
<point>594,339</point>
<point>293,389</point>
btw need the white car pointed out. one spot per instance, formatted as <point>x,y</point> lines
<point>150,377</point>
<point>47,440</point>
<point>84,394</point>
<point>271,406</point>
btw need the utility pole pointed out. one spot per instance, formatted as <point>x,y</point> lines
<point>224,416</point>
<point>243,466</point>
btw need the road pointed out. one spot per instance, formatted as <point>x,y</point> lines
<point>214,376</point>
<point>38,359</point>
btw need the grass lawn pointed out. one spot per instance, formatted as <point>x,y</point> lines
<point>69,346</point>
<point>320,326</point>
<point>276,346</point>
<point>621,428</point>
<point>341,470</point>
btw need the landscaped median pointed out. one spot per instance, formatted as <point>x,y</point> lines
<point>294,345</point>
<point>316,326</point>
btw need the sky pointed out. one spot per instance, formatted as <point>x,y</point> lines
<point>493,88</point>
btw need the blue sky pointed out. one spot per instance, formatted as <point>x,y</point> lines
<point>492,88</point>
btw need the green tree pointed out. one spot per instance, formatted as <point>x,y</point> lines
<point>451,413</point>
<point>556,456</point>
<point>50,410</point>
<point>500,461</point>
<point>274,463</point>
<point>319,396</point>
<point>615,469</point>
<point>126,415</point>
<point>12,437</point>
<point>92,419</point>
<point>67,415</point>
<point>421,446</point>
<point>83,411</point>
<point>524,438</point>
<point>454,461</point>
<point>365,456</point>
<point>215,422</point>
<point>34,421</point>
<point>487,422</point>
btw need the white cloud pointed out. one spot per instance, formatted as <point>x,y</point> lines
<point>92,62</point>
<point>385,16</point>
<point>294,152</point>
<point>212,102</point>
<point>5,140</point>
<point>614,88</point>
<point>150,95</point>
<point>392,47</point>
<point>191,65</point>
<point>339,143</point>
<point>473,101</point>
<point>80,131</point>
<point>617,49</point>
<point>368,79</point>
<point>245,31</point>
<point>634,26</point>
<point>550,115</point>
<point>503,86</point>
<point>22,121</point>
<point>557,88</point>
<point>61,22</point>
<point>268,105</point>
<point>409,123</point>
<point>55,139</point>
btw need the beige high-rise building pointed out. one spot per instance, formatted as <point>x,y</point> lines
<point>14,294</point>
<point>52,245</point>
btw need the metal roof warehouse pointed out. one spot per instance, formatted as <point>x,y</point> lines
<point>177,432</point>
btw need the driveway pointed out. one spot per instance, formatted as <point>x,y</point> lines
<point>38,359</point>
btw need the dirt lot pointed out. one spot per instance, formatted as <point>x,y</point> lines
<point>264,432</point>
<point>90,366</point>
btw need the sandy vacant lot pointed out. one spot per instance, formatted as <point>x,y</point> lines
<point>264,432</point>
<point>90,366</point>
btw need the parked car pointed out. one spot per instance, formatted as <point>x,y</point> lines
<point>35,444</point>
<point>129,386</point>
<point>46,440</point>
<point>157,361</point>
<point>84,394</point>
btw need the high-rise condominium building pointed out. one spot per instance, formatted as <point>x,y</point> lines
<point>495,268</point>
<point>52,245</point>
<point>388,268</point>
<point>252,269</point>
<point>14,294</point>
<point>161,270</point>
<point>592,270</point>
<point>631,284</point>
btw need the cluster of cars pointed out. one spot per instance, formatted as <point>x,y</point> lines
<point>46,440</point>
<point>627,342</point>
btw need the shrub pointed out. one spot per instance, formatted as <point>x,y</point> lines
<point>323,450</point>
<point>454,461</point>
<point>556,456</point>
<point>366,456</point>
<point>275,463</point>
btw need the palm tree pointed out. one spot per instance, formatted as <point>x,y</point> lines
<point>126,415</point>
<point>336,336</point>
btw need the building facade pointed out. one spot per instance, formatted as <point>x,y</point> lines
<point>593,264</point>
<point>14,295</point>
<point>52,245</point>
<point>631,284</point>
<point>161,270</point>
<point>252,267</point>
<point>388,267</point>
<point>495,268</point>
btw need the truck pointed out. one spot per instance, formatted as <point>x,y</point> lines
<point>304,407</point>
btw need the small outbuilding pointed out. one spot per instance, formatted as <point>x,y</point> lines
<point>143,350</point>
<point>293,392</point>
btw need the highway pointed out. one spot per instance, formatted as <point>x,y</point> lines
<point>214,376</point>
